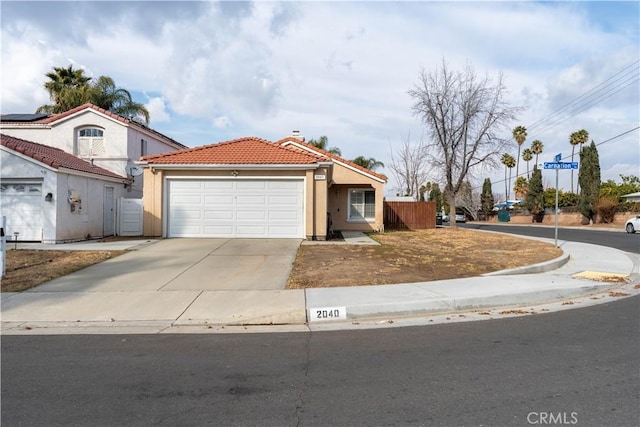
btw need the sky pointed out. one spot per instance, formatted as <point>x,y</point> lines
<point>214,71</point>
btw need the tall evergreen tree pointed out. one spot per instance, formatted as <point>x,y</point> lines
<point>577,138</point>
<point>535,195</point>
<point>486,199</point>
<point>435,195</point>
<point>589,182</point>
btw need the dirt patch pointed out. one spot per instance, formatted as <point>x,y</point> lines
<point>415,256</point>
<point>27,268</point>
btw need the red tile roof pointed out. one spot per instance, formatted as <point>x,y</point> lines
<point>55,117</point>
<point>54,157</point>
<point>242,151</point>
<point>308,147</point>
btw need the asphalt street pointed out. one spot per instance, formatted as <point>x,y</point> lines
<point>618,240</point>
<point>580,364</point>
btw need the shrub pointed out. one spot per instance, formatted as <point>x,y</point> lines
<point>606,209</point>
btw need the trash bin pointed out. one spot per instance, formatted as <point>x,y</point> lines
<point>438,219</point>
<point>504,215</point>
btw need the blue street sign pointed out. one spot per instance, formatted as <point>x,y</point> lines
<point>561,165</point>
<point>558,157</point>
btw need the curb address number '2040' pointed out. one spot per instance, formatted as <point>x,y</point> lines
<point>327,313</point>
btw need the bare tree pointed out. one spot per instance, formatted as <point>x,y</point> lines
<point>468,199</point>
<point>466,116</point>
<point>409,166</point>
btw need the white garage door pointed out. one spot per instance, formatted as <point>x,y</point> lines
<point>22,205</point>
<point>236,208</point>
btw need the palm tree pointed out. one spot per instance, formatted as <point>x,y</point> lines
<point>105,94</point>
<point>537,147</point>
<point>519,134</point>
<point>67,89</point>
<point>527,155</point>
<point>520,187</point>
<point>369,163</point>
<point>577,138</point>
<point>323,144</point>
<point>509,162</point>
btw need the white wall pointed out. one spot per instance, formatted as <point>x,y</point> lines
<point>89,221</point>
<point>59,223</point>
<point>122,142</point>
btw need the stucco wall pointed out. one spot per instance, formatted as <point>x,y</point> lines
<point>154,181</point>
<point>59,223</point>
<point>344,179</point>
<point>122,142</point>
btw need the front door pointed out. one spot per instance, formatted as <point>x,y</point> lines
<point>108,212</point>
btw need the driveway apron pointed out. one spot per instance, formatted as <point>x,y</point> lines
<point>188,265</point>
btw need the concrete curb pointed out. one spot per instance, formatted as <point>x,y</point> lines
<point>541,267</point>
<point>413,301</point>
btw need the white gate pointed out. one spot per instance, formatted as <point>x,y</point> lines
<point>129,217</point>
<point>108,219</point>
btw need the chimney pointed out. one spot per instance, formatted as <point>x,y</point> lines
<point>296,134</point>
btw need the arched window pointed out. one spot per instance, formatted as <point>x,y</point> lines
<point>90,142</point>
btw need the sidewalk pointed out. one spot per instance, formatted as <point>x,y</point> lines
<point>185,311</point>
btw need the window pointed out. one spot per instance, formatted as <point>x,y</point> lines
<point>362,205</point>
<point>143,147</point>
<point>90,142</point>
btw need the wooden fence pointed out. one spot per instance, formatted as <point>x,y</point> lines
<point>409,215</point>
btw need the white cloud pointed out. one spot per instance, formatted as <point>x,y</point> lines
<point>341,69</point>
<point>157,110</point>
<point>222,122</point>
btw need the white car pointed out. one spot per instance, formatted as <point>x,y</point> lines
<point>460,218</point>
<point>632,225</point>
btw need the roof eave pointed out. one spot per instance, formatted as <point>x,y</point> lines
<point>70,171</point>
<point>228,166</point>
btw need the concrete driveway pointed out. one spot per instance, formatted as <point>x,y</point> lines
<point>188,265</point>
<point>168,283</point>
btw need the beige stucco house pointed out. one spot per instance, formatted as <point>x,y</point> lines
<point>254,188</point>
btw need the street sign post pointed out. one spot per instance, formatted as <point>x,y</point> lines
<point>561,165</point>
<point>557,165</point>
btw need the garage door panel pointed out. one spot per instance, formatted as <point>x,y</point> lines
<point>187,214</point>
<point>236,208</point>
<point>284,200</point>
<point>218,200</point>
<point>213,185</point>
<point>283,216</point>
<point>22,204</point>
<point>218,230</point>
<point>249,215</point>
<point>250,230</point>
<point>187,185</point>
<point>211,214</point>
<point>187,199</point>
<point>251,200</point>
<point>251,186</point>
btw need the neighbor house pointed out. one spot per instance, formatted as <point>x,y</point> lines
<point>106,139</point>
<point>251,187</point>
<point>50,196</point>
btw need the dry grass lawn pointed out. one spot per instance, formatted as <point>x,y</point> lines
<point>27,268</point>
<point>415,256</point>
<point>402,257</point>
